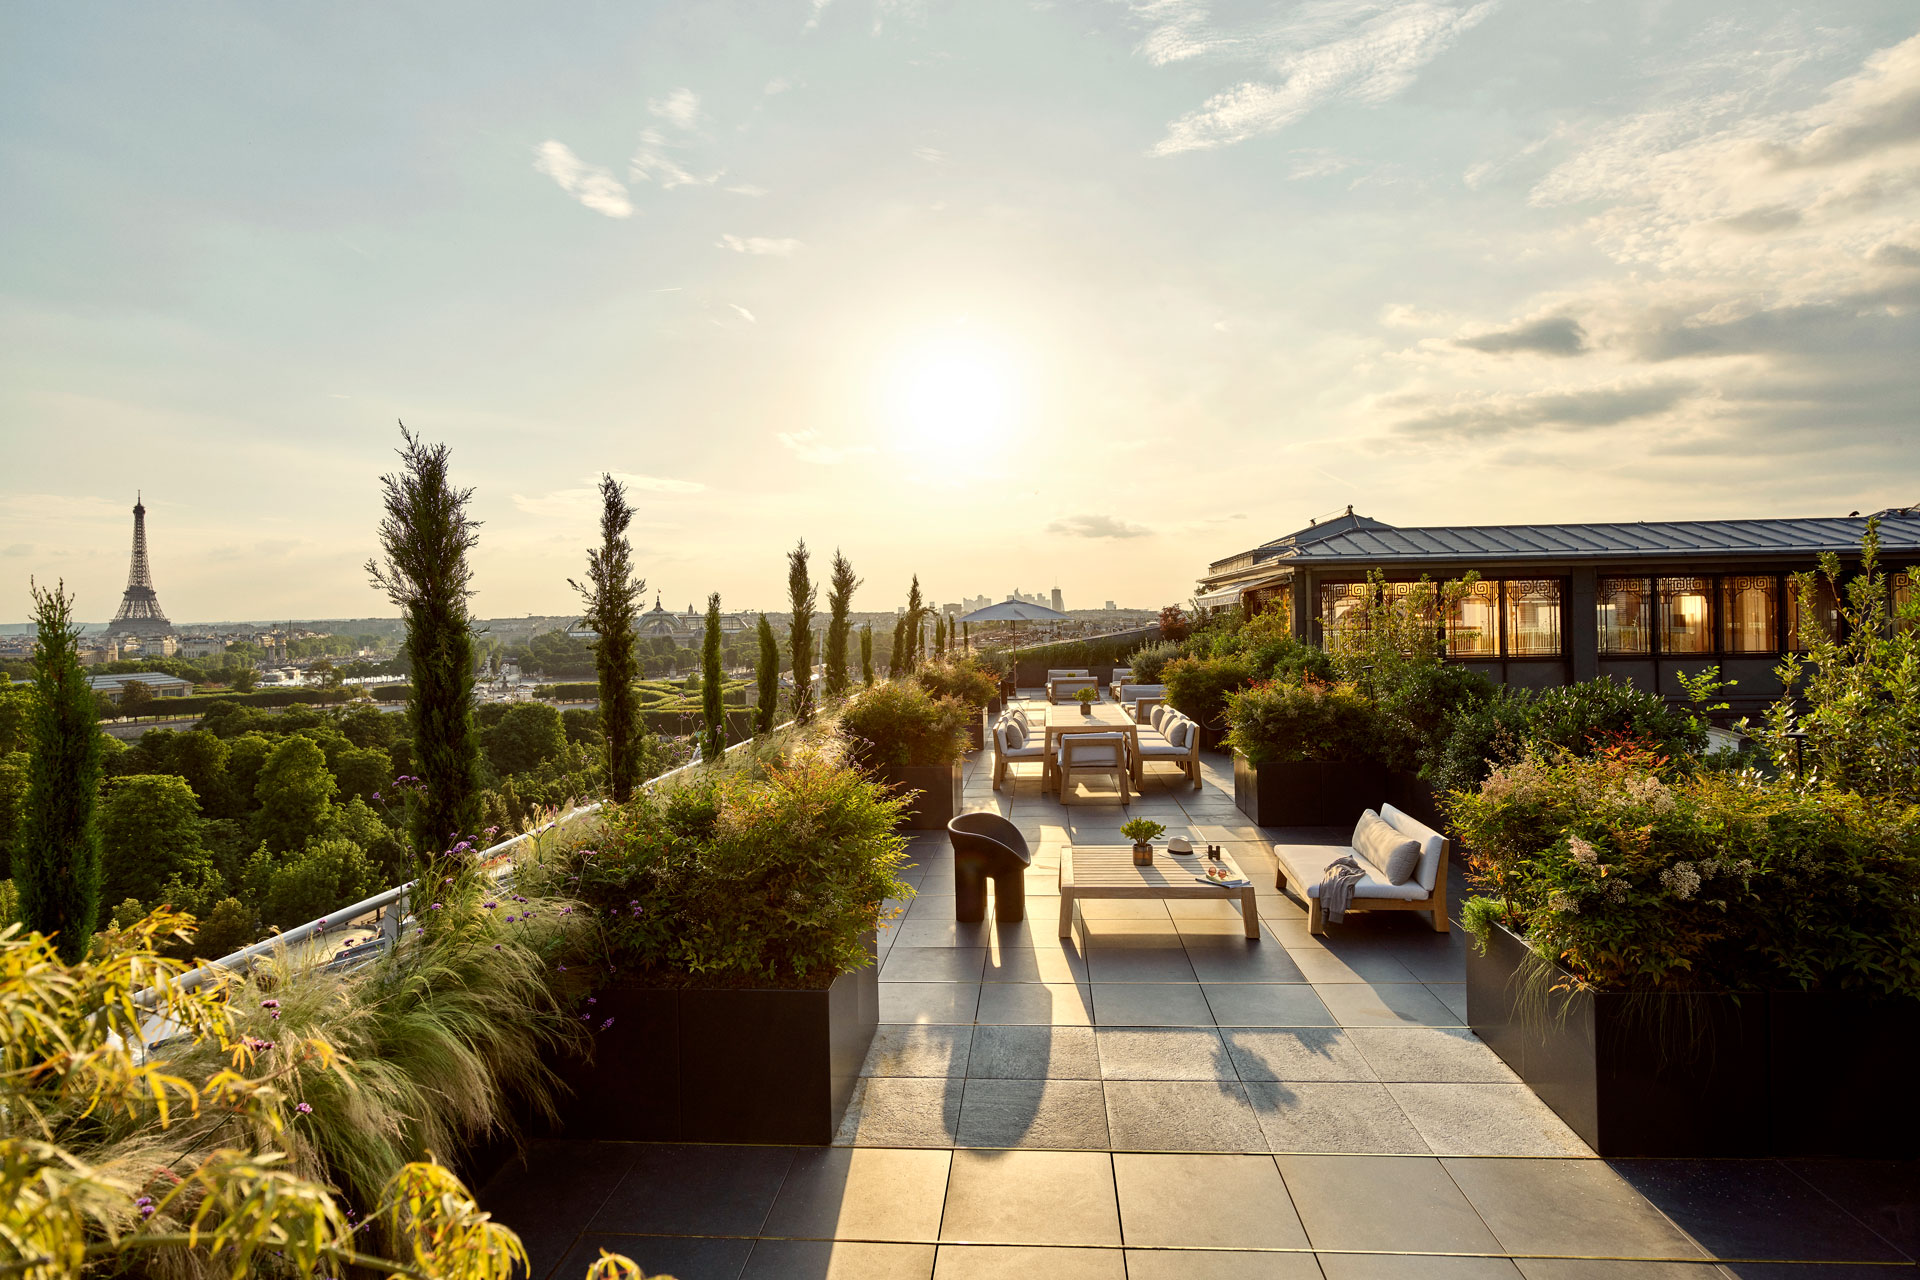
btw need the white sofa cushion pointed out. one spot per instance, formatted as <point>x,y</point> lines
<point>1383,846</point>
<point>1306,867</point>
<point>1160,749</point>
<point>1431,842</point>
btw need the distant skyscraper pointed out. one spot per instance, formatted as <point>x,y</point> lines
<point>140,613</point>
<point>1059,606</point>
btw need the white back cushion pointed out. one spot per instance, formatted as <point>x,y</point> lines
<point>1431,842</point>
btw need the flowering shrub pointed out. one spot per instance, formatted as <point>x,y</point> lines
<point>774,879</point>
<point>1276,722</point>
<point>1634,879</point>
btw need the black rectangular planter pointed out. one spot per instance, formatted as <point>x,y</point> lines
<point>1306,794</point>
<point>1703,1073</point>
<point>939,798</point>
<point>723,1065</point>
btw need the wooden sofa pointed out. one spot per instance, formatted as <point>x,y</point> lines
<point>1306,866</point>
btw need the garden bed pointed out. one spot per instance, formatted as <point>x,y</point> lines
<point>1704,1073</point>
<point>1306,793</point>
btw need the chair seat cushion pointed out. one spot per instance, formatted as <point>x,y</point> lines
<point>1160,749</point>
<point>1306,867</point>
<point>1092,758</point>
<point>1032,751</point>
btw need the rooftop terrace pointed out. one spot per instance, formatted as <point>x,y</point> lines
<point>1159,1097</point>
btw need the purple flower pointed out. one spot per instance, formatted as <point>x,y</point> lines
<point>258,1045</point>
<point>376,797</point>
<point>606,1024</point>
<point>489,905</point>
<point>304,1109</point>
<point>434,907</point>
<point>563,968</point>
<point>145,1205</point>
<point>269,1004</point>
<point>592,1000</point>
<point>511,919</point>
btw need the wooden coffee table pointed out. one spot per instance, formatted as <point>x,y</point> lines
<point>1107,871</point>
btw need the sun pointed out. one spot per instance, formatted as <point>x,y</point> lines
<point>950,397</point>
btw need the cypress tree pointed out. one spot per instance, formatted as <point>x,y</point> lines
<point>839,600</point>
<point>769,673</point>
<point>897,656</point>
<point>916,615</point>
<point>712,682</point>
<point>866,654</point>
<point>966,637</point>
<point>56,855</point>
<point>940,636</point>
<point>801,595</point>
<point>426,535</point>
<point>611,596</point>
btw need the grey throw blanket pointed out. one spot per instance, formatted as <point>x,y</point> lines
<point>1336,891</point>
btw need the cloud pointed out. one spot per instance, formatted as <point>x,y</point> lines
<point>591,185</point>
<point>1364,54</point>
<point>681,107</point>
<point>1097,527</point>
<point>1498,414</point>
<point>18,549</point>
<point>1553,336</point>
<point>1317,163</point>
<point>1895,255</point>
<point>777,85</point>
<point>573,502</point>
<point>744,313</point>
<point>1759,222</point>
<point>758,245</point>
<point>652,162</point>
<point>808,447</point>
<point>748,189</point>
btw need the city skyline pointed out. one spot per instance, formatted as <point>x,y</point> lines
<point>992,293</point>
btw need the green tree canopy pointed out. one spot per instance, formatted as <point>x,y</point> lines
<point>295,793</point>
<point>526,737</point>
<point>201,758</point>
<point>149,833</point>
<point>323,876</point>
<point>362,772</point>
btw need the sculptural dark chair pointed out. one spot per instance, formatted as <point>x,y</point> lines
<point>988,847</point>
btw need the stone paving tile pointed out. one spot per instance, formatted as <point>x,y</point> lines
<point>695,1190</point>
<point>1065,1114</point>
<point>1755,1209</point>
<point>861,1194</point>
<point>1323,1116</point>
<point>838,1260</point>
<point>1390,1266</point>
<point>1296,1053</point>
<point>683,1257</point>
<point>1162,1053</point>
<point>1215,1201</point>
<point>1430,1055</point>
<point>1211,1264</point>
<point>1247,1004</point>
<point>1142,1004</point>
<point>918,1050</point>
<point>1114,956</point>
<point>929,1002</point>
<point>1033,1053</point>
<point>1044,1004</point>
<point>1572,1207</point>
<point>1615,1269</point>
<point>1181,1115</point>
<point>1235,959</point>
<point>1065,1198</point>
<point>998,1262</point>
<point>1486,1120</point>
<point>1035,964</point>
<point>902,1112</point>
<point>551,1196</point>
<point>1385,1004</point>
<point>1383,1204</point>
<point>1349,965</point>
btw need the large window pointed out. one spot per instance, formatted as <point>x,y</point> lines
<point>1685,615</point>
<point>1625,616</point>
<point>1473,631</point>
<point>1343,609</point>
<point>1750,608</point>
<point>1533,617</point>
<point>1825,614</point>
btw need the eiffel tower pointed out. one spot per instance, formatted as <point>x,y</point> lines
<point>140,613</point>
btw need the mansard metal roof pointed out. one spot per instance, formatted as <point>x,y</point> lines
<point>1376,543</point>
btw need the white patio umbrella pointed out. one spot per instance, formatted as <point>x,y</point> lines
<point>1015,611</point>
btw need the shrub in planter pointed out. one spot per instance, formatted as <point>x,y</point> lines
<point>1149,660</point>
<point>898,724</point>
<point>959,678</point>
<point>1278,722</point>
<point>1635,881</point>
<point>771,880</point>
<point>1199,687</point>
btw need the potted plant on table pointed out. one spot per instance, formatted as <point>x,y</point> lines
<point>1142,831</point>
<point>1086,698</point>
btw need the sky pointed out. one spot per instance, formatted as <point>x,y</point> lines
<point>1005,294</point>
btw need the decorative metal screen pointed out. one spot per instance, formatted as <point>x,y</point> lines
<point>1343,609</point>
<point>1825,615</point>
<point>1473,630</point>
<point>1686,615</point>
<point>1623,607</point>
<point>1533,617</point>
<point>1273,600</point>
<point>1900,588</point>
<point>1750,607</point>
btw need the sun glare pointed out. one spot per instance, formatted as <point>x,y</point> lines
<point>948,397</point>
